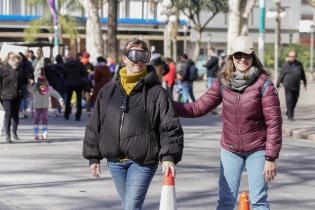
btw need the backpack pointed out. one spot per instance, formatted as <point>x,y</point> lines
<point>193,73</point>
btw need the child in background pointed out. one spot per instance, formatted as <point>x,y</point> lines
<point>41,92</point>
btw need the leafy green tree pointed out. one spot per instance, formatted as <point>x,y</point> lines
<point>302,51</point>
<point>192,10</point>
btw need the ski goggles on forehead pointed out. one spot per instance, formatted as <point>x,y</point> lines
<point>138,55</point>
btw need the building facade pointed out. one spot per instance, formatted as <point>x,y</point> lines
<point>142,18</point>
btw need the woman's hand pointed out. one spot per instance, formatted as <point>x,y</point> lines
<point>270,170</point>
<point>95,170</point>
<point>167,166</point>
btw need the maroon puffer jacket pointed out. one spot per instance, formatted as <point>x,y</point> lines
<point>250,122</point>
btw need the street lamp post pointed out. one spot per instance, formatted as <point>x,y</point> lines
<point>277,40</point>
<point>209,41</point>
<point>261,40</point>
<point>54,8</point>
<point>307,26</point>
<point>185,29</point>
<point>311,48</point>
<point>277,13</point>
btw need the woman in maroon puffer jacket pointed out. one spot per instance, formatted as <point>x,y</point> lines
<point>252,122</point>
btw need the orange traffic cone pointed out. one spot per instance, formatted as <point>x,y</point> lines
<point>244,203</point>
<point>168,194</point>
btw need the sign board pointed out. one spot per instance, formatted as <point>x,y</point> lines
<point>305,26</point>
<point>8,47</point>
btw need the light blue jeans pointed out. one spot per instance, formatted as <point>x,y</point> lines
<point>231,168</point>
<point>210,81</point>
<point>188,91</point>
<point>132,181</point>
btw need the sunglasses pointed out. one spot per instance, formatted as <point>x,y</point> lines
<point>124,104</point>
<point>240,55</point>
<point>138,55</point>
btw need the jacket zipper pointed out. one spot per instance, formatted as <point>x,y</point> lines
<point>237,119</point>
<point>121,123</point>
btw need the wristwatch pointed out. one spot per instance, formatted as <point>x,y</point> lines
<point>269,159</point>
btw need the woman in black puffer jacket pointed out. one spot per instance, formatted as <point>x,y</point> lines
<point>10,86</point>
<point>133,125</point>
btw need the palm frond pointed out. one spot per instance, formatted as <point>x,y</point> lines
<point>31,32</point>
<point>69,25</point>
<point>34,2</point>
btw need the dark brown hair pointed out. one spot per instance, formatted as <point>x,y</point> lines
<point>135,42</point>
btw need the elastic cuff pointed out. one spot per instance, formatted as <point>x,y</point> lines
<point>269,158</point>
<point>168,158</point>
<point>92,161</point>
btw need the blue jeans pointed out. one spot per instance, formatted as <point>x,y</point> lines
<point>132,181</point>
<point>210,81</point>
<point>231,168</point>
<point>187,91</point>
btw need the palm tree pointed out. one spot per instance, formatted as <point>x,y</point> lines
<point>67,24</point>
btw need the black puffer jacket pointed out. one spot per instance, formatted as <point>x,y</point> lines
<point>75,73</point>
<point>9,82</point>
<point>185,70</point>
<point>146,132</point>
<point>212,66</point>
<point>291,75</point>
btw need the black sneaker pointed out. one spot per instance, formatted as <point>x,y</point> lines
<point>8,139</point>
<point>15,137</point>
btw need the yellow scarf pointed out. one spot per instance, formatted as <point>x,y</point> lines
<point>128,82</point>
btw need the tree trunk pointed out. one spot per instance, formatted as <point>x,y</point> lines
<point>112,42</point>
<point>246,8</point>
<point>197,47</point>
<point>234,22</point>
<point>238,21</point>
<point>94,38</point>
<point>168,40</point>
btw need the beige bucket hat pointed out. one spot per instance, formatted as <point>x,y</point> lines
<point>244,44</point>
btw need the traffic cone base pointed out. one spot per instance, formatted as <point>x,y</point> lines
<point>168,194</point>
<point>244,203</point>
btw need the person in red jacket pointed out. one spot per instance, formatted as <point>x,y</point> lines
<point>170,77</point>
<point>252,122</point>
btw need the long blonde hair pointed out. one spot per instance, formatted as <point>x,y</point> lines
<point>227,73</point>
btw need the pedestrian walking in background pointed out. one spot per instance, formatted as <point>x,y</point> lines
<point>159,65</point>
<point>291,74</point>
<point>101,76</point>
<point>111,65</point>
<point>212,66</point>
<point>222,61</point>
<point>27,74</point>
<point>189,73</point>
<point>38,63</point>
<point>10,90</point>
<point>75,79</point>
<point>170,77</point>
<point>252,124</point>
<point>56,79</point>
<point>41,92</point>
<point>87,89</point>
<point>29,54</point>
<point>134,126</point>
